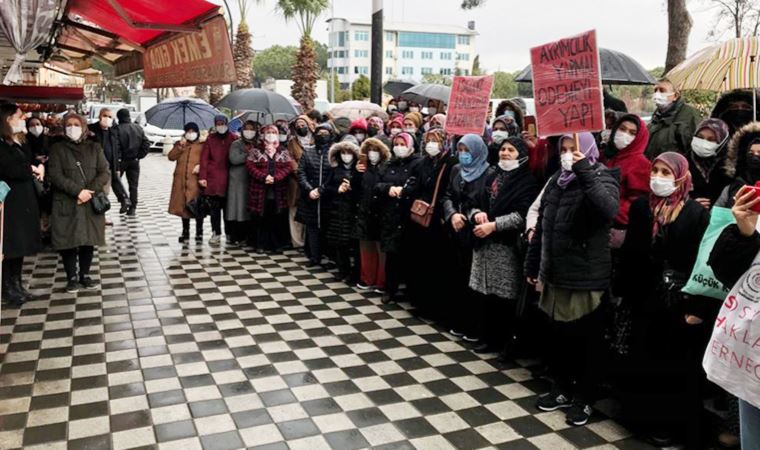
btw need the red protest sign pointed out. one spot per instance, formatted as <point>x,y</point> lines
<point>468,105</point>
<point>567,85</point>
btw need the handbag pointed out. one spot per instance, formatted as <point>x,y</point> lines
<point>199,207</point>
<point>99,201</point>
<point>422,211</point>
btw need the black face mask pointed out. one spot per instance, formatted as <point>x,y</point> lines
<point>372,131</point>
<point>322,140</point>
<point>737,118</point>
<point>302,131</point>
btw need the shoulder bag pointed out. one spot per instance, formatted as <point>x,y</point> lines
<point>99,201</point>
<point>422,211</point>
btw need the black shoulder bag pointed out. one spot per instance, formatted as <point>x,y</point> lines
<point>99,201</point>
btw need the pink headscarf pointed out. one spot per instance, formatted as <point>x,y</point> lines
<point>270,148</point>
<point>408,139</point>
<point>665,210</point>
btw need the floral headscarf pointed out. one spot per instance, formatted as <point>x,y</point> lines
<point>665,210</point>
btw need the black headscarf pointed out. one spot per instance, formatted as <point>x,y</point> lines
<point>513,191</point>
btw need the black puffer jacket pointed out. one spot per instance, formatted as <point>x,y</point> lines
<point>425,176</point>
<point>314,172</point>
<point>395,211</point>
<point>735,166</point>
<point>733,254</point>
<point>109,142</point>
<point>343,207</point>
<point>571,246</point>
<point>462,197</point>
<point>368,210</point>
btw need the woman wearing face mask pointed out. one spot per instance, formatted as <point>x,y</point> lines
<point>373,156</point>
<point>78,169</point>
<point>625,151</point>
<point>570,255</point>
<point>342,190</point>
<point>403,106</point>
<point>499,218</point>
<point>313,174</point>
<point>39,144</point>
<point>187,153</point>
<point>214,173</point>
<point>395,127</point>
<point>742,163</point>
<point>394,190</point>
<point>237,215</point>
<point>673,123</point>
<point>269,166</point>
<point>22,218</point>
<point>669,329</point>
<point>430,249</point>
<point>301,137</point>
<point>735,108</point>
<point>707,159</point>
<point>502,128</point>
<point>359,129</point>
<point>467,182</point>
<point>376,129</point>
<point>412,125</point>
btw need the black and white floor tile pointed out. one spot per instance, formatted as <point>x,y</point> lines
<point>189,347</point>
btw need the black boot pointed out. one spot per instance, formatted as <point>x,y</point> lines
<point>198,231</point>
<point>125,205</point>
<point>11,295</point>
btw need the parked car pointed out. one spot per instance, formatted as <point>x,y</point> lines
<point>161,139</point>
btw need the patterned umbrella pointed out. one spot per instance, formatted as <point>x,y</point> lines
<point>355,109</point>
<point>734,64</point>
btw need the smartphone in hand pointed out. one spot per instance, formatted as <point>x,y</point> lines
<point>530,125</point>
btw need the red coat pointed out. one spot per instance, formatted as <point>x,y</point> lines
<point>258,167</point>
<point>215,163</point>
<point>634,169</point>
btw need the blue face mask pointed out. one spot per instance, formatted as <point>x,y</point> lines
<point>465,159</point>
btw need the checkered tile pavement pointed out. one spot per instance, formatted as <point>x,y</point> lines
<point>195,347</point>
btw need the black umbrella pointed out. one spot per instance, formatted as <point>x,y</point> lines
<point>174,113</point>
<point>617,68</point>
<point>426,91</point>
<point>396,87</point>
<point>267,103</point>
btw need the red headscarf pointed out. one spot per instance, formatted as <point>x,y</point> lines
<point>665,210</point>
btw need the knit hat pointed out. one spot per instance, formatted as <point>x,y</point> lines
<point>221,117</point>
<point>377,122</point>
<point>414,117</point>
<point>397,121</point>
<point>359,124</point>
<point>342,124</point>
<point>325,126</point>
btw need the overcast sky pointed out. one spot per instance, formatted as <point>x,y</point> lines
<point>508,28</point>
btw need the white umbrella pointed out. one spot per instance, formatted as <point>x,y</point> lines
<point>356,109</point>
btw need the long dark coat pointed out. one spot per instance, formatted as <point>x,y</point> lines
<point>313,173</point>
<point>21,233</point>
<point>343,207</point>
<point>395,211</point>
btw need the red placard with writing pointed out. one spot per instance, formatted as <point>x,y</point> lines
<point>567,85</point>
<point>468,105</point>
<point>189,59</point>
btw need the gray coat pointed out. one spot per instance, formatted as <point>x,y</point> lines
<point>238,181</point>
<point>496,268</point>
<point>74,225</point>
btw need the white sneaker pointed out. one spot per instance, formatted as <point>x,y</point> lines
<point>214,240</point>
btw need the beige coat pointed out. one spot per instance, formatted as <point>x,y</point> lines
<point>185,186</point>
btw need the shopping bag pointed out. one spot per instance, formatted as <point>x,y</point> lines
<point>702,280</point>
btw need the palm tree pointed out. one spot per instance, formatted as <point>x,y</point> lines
<point>242,52</point>
<point>305,13</point>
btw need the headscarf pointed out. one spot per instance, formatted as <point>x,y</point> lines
<point>717,126</point>
<point>666,209</point>
<point>408,139</point>
<point>513,191</point>
<point>377,123</point>
<point>440,119</point>
<point>513,128</point>
<point>270,148</point>
<point>589,150</point>
<point>639,143</point>
<point>307,120</point>
<point>221,117</point>
<point>397,121</point>
<point>439,136</point>
<point>414,117</point>
<point>359,124</point>
<point>82,123</point>
<point>479,152</point>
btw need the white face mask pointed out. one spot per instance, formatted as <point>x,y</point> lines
<point>410,130</point>
<point>414,109</point>
<point>360,136</point>
<point>271,137</point>
<point>402,105</point>
<point>499,136</point>
<point>392,108</point>
<point>74,132</point>
<point>191,136</point>
<point>432,110</point>
<point>662,187</point>
<point>401,151</point>
<point>347,158</point>
<point>567,161</point>
<point>704,148</point>
<point>106,122</point>
<point>221,129</point>
<point>395,131</point>
<point>36,130</point>
<point>622,140</point>
<point>509,165</point>
<point>662,99</point>
<point>374,156</point>
<point>283,137</point>
<point>249,134</point>
<point>433,149</point>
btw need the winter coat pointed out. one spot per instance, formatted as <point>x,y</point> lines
<point>132,141</point>
<point>368,208</point>
<point>215,163</point>
<point>74,225</point>
<point>343,207</point>
<point>259,166</point>
<point>394,212</point>
<point>313,173</point>
<point>296,152</point>
<point>672,130</point>
<point>185,183</point>
<point>238,182</point>
<point>21,229</point>
<point>708,176</point>
<point>733,254</point>
<point>634,169</point>
<point>109,142</point>
<point>464,198</point>
<point>735,165</point>
<point>643,259</point>
<point>423,187</point>
<point>570,248</point>
<point>725,101</point>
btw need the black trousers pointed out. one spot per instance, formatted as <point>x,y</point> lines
<point>217,210</point>
<point>272,227</point>
<point>313,243</point>
<point>12,268</point>
<point>495,319</point>
<point>82,255</point>
<point>118,187</point>
<point>132,170</point>
<point>198,227</point>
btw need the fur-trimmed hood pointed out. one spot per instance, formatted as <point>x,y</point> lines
<point>339,147</point>
<point>729,97</point>
<point>736,157</point>
<point>375,144</point>
<point>519,112</point>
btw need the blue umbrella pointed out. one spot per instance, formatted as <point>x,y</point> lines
<point>174,113</point>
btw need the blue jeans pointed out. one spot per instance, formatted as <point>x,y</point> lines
<point>749,416</point>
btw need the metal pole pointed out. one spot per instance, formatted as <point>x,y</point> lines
<point>330,41</point>
<point>376,73</point>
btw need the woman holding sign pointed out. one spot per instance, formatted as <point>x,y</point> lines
<point>570,256</point>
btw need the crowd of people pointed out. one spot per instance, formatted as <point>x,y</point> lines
<point>571,248</point>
